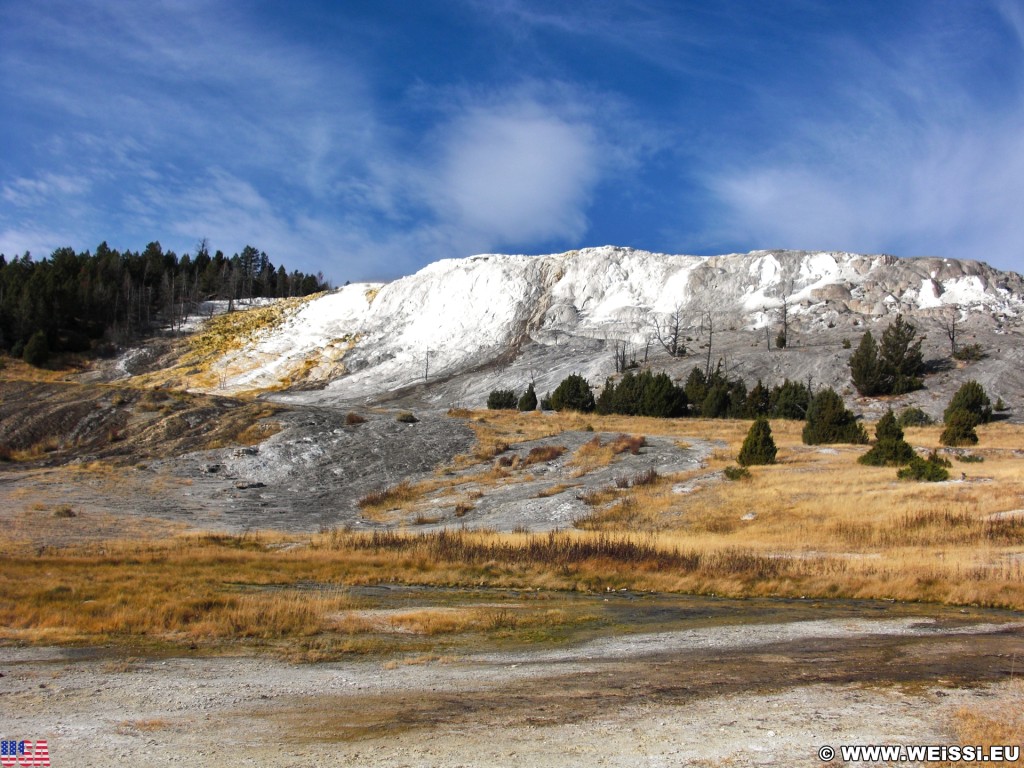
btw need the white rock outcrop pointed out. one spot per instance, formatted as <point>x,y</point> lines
<point>459,314</point>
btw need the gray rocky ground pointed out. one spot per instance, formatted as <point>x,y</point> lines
<point>764,694</point>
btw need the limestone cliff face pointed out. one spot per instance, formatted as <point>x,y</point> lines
<point>460,315</point>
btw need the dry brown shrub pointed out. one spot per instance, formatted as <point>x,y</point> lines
<point>646,477</point>
<point>391,496</point>
<point>554,490</point>
<point>543,453</point>
<point>631,443</point>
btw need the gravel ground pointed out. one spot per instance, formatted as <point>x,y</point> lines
<point>767,694</point>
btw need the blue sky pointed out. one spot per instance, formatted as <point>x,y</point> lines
<point>366,139</point>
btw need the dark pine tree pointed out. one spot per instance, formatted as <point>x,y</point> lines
<point>758,446</point>
<point>573,394</point>
<point>528,402</point>
<point>864,367</point>
<point>890,449</point>
<point>829,421</point>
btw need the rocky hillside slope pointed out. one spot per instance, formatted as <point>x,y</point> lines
<point>460,327</point>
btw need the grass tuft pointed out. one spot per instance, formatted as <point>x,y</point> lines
<point>542,454</point>
<point>390,497</point>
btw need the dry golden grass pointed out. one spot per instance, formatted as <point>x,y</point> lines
<point>470,618</point>
<point>554,490</point>
<point>818,524</point>
<point>999,722</point>
<point>595,453</point>
<point>251,590</point>
<point>32,453</point>
<point>390,498</point>
<point>516,427</point>
<point>220,335</point>
<point>817,505</point>
<point>178,590</point>
<point>257,433</point>
<point>542,454</point>
<point>63,368</point>
<point>216,589</point>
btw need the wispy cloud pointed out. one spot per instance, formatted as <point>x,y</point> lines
<point>330,138</point>
<point>192,122</point>
<point>45,188</point>
<point>908,160</point>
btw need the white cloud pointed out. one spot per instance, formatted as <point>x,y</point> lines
<point>517,173</point>
<point>191,119</point>
<point>957,194</point>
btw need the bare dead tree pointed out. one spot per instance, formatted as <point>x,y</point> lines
<point>668,330</point>
<point>625,356</point>
<point>782,340</point>
<point>707,323</point>
<point>950,326</point>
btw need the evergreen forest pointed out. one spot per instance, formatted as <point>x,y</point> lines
<point>93,302</point>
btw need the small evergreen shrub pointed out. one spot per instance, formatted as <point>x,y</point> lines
<point>894,366</point>
<point>970,353</point>
<point>528,402</point>
<point>959,429</point>
<point>790,400</point>
<point>736,473</point>
<point>643,394</point>
<point>37,350</point>
<point>890,450</point>
<point>502,400</point>
<point>970,458</point>
<point>864,367</point>
<point>758,446</point>
<point>573,394</point>
<point>759,400</point>
<point>971,397</point>
<point>934,469</point>
<point>914,417</point>
<point>406,418</point>
<point>696,387</point>
<point>829,421</point>
<point>716,402</point>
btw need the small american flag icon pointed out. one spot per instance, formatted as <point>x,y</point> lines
<point>24,754</point>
